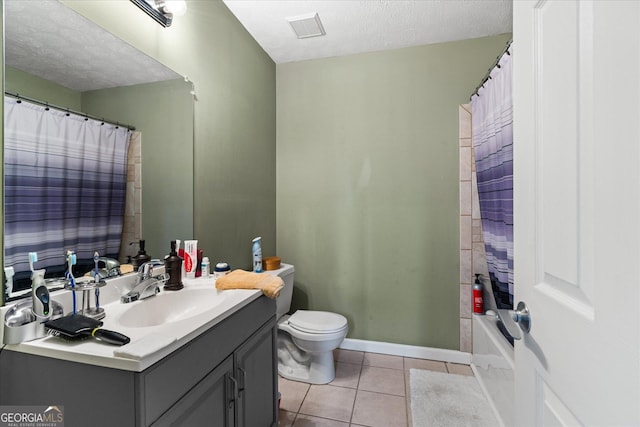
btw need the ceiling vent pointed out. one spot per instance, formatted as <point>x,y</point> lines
<point>306,26</point>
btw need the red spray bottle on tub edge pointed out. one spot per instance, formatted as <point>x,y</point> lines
<point>478,301</point>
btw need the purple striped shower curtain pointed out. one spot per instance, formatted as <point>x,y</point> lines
<point>492,134</point>
<point>65,186</point>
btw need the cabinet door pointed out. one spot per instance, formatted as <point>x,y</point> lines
<point>256,371</point>
<point>210,403</point>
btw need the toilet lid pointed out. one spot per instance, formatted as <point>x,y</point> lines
<point>317,321</point>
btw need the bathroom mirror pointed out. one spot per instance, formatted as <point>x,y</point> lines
<point>53,42</point>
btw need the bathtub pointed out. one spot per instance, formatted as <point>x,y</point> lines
<point>493,365</point>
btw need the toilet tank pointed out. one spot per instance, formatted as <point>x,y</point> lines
<point>283,302</point>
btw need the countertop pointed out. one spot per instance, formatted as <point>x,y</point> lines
<point>178,333</point>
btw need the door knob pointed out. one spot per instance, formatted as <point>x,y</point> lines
<point>512,319</point>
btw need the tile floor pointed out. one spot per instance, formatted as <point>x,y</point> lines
<point>370,390</point>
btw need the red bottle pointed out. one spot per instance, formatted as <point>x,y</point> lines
<point>478,301</point>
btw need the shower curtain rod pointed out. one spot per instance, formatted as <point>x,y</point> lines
<point>495,64</point>
<point>68,111</point>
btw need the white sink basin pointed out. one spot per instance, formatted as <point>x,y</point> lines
<point>169,307</point>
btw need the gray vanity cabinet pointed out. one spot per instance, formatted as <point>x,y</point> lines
<point>253,360</point>
<point>226,376</point>
<point>210,403</point>
<point>237,393</point>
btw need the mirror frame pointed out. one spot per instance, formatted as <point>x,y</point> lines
<point>159,17</point>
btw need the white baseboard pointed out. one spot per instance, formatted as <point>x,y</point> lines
<point>440,354</point>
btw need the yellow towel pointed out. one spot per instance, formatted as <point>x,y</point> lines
<point>240,279</point>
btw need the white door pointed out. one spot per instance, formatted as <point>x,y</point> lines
<point>577,211</point>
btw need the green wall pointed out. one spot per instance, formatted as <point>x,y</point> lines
<point>163,112</point>
<point>367,177</point>
<point>25,84</point>
<point>366,156</point>
<point>234,145</point>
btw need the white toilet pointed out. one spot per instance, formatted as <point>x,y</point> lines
<point>306,339</point>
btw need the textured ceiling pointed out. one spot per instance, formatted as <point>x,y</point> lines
<point>49,40</point>
<point>357,26</point>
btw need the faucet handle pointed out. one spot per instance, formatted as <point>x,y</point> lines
<point>145,270</point>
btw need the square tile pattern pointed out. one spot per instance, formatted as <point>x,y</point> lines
<point>370,390</point>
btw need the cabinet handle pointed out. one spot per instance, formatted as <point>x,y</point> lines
<point>244,378</point>
<point>235,388</point>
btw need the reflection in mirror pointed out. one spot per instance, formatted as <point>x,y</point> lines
<point>65,190</point>
<point>55,55</point>
<point>162,11</point>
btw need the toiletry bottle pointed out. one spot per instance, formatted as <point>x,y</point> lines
<point>221,269</point>
<point>199,254</point>
<point>257,255</point>
<point>9,272</point>
<point>205,267</point>
<point>181,255</point>
<point>173,267</point>
<point>141,258</point>
<point>478,301</point>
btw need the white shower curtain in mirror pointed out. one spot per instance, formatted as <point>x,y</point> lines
<point>492,134</point>
<point>65,185</point>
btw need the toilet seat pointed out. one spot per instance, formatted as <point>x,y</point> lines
<point>317,322</point>
<point>314,325</point>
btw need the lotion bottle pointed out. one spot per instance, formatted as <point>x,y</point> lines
<point>205,267</point>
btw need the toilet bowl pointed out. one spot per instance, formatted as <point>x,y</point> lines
<point>306,339</point>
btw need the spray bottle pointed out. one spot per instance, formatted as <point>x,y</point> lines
<point>257,255</point>
<point>478,301</point>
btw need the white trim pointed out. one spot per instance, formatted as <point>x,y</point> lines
<point>440,354</point>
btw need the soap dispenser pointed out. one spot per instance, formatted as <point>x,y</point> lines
<point>141,258</point>
<point>173,267</point>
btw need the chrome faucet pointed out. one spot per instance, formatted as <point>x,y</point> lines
<point>111,267</point>
<point>145,289</point>
<point>146,285</point>
<point>145,271</point>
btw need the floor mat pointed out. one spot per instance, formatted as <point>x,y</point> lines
<point>439,399</point>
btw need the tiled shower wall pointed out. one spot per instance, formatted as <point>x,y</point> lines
<point>132,229</point>
<point>472,254</point>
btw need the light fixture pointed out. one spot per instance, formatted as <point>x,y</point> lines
<point>173,7</point>
<point>162,11</point>
<point>306,26</point>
